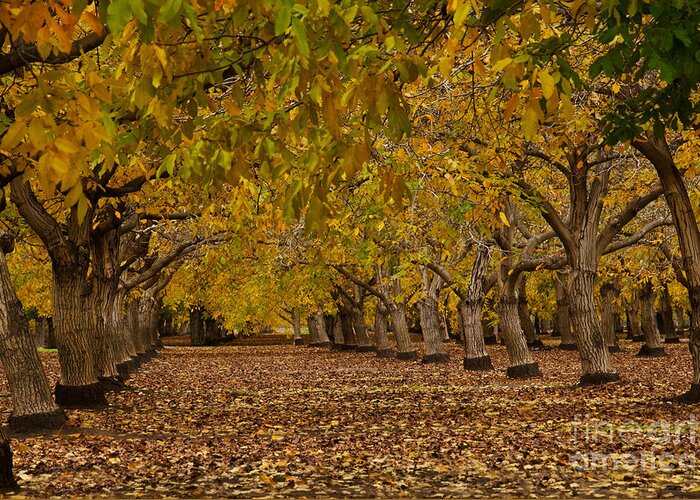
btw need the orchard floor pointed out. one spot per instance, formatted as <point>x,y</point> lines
<point>301,422</point>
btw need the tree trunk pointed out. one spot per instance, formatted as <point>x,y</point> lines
<point>470,311</point>
<point>313,331</point>
<point>430,318</point>
<point>608,294</point>
<point>33,406</point>
<point>402,337</point>
<point>568,341</point>
<point>345,319</point>
<point>668,326</point>
<point>381,338</point>
<point>7,478</point>
<point>676,194</point>
<point>521,363</point>
<point>78,342</point>
<point>197,333</point>
<point>596,362</point>
<point>323,340</point>
<point>634,320</point>
<point>336,329</point>
<point>475,355</point>
<point>296,325</point>
<point>652,340</point>
<point>364,344</point>
<point>533,342</point>
<point>430,325</point>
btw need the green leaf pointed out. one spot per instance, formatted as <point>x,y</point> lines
<point>118,15</point>
<point>283,17</point>
<point>299,30</point>
<point>170,11</point>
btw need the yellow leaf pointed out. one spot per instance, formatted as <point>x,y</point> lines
<point>500,64</point>
<point>504,219</point>
<point>529,123</point>
<point>13,136</point>
<point>615,87</point>
<point>547,83</point>
<point>510,106</point>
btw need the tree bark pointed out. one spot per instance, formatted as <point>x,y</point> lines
<point>668,326</point>
<point>533,342</point>
<point>313,331</point>
<point>323,340</point>
<point>652,340</point>
<point>608,294</point>
<point>595,358</point>
<point>521,363</point>
<point>381,338</point>
<point>634,319</point>
<point>402,337</point>
<point>336,329</point>
<point>568,341</point>
<point>429,318</point>
<point>33,406</point>
<point>364,344</point>
<point>470,314</point>
<point>296,326</point>
<point>76,334</point>
<point>657,152</point>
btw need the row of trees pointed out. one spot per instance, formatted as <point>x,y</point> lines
<point>312,153</point>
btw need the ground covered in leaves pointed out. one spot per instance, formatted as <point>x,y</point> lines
<point>290,421</point>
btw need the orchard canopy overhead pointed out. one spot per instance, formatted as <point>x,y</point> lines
<point>363,170</point>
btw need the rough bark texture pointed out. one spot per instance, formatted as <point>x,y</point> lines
<point>296,326</point>
<point>533,341</point>
<point>33,406</point>
<point>568,341</point>
<point>652,340</point>
<point>313,331</point>
<point>634,321</point>
<point>345,319</point>
<point>404,346</point>
<point>381,324</point>
<point>77,337</point>
<point>608,295</point>
<point>323,340</point>
<point>656,150</point>
<point>667,326</point>
<point>521,363</point>
<point>430,319</point>
<point>595,358</point>
<point>470,309</point>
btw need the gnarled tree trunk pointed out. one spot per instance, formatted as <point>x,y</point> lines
<point>33,406</point>
<point>608,294</point>
<point>657,152</point>
<point>634,326</point>
<point>323,340</point>
<point>521,363</point>
<point>381,338</point>
<point>595,358</point>
<point>470,310</point>
<point>568,341</point>
<point>652,340</point>
<point>429,318</point>
<point>533,342</point>
<point>668,326</point>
